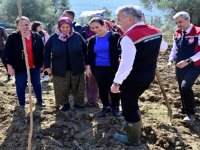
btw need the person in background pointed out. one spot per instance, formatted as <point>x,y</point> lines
<point>38,27</point>
<point>185,54</point>
<point>65,58</point>
<point>70,14</point>
<point>3,38</point>
<point>140,46</point>
<point>103,56</point>
<point>115,27</point>
<point>87,32</point>
<point>14,58</point>
<point>108,25</point>
<point>91,86</point>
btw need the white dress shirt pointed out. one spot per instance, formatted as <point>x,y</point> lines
<point>128,56</point>
<point>173,56</point>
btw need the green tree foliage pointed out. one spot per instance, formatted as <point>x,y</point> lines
<point>156,21</point>
<point>108,13</point>
<point>60,6</point>
<point>42,10</point>
<point>173,6</point>
<point>34,9</point>
<point>64,5</point>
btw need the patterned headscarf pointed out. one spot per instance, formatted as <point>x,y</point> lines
<point>61,36</point>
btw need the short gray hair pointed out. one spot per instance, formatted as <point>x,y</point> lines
<point>183,14</point>
<point>131,10</point>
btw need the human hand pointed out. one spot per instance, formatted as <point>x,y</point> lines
<point>169,66</point>
<point>115,89</point>
<point>182,64</point>
<point>88,71</point>
<point>11,71</point>
<point>48,70</point>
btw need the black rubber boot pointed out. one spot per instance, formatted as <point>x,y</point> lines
<point>104,111</point>
<point>133,133</point>
<point>65,107</point>
<point>116,112</point>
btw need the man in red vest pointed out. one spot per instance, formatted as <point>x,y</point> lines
<point>185,54</point>
<point>140,46</point>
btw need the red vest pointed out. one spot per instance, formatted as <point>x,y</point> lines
<point>147,40</point>
<point>142,32</point>
<point>192,46</point>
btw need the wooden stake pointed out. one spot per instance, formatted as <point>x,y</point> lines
<point>29,78</point>
<point>169,108</point>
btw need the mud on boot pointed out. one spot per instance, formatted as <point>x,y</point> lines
<point>133,133</point>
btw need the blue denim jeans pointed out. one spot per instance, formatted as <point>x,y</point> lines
<point>21,83</point>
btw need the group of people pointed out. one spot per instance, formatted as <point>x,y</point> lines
<point>122,65</point>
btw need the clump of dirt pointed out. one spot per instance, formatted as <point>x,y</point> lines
<point>83,130</point>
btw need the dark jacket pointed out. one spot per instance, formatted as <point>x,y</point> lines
<point>3,38</point>
<point>77,28</point>
<point>14,55</point>
<point>56,52</point>
<point>114,50</point>
<point>189,44</point>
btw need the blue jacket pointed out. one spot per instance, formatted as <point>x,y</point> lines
<point>114,50</point>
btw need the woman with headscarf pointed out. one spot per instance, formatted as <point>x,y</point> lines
<point>65,58</point>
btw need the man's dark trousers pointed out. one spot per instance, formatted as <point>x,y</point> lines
<point>186,78</point>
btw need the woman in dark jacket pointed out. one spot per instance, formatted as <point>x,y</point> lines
<point>103,58</point>
<point>65,57</point>
<point>15,60</point>
<point>38,27</point>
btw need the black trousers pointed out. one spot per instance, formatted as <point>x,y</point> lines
<point>104,77</point>
<point>131,89</point>
<point>186,78</point>
<point>1,55</point>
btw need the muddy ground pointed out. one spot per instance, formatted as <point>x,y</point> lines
<point>82,130</point>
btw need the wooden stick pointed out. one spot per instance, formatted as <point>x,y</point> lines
<point>29,78</point>
<point>169,108</point>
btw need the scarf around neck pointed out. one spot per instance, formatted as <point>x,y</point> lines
<point>62,36</point>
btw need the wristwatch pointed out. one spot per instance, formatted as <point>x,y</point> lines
<point>189,60</point>
<point>116,84</point>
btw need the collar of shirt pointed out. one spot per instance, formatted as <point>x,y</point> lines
<point>137,24</point>
<point>189,29</point>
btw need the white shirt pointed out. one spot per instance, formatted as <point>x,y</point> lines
<point>173,56</point>
<point>128,56</point>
